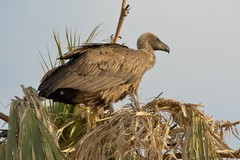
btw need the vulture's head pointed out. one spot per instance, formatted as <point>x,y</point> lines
<point>150,40</point>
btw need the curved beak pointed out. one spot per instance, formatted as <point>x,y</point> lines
<point>161,46</point>
<point>165,48</point>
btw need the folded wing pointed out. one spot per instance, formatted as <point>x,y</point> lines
<point>96,67</point>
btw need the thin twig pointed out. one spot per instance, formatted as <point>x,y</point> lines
<point>123,14</point>
<point>158,96</point>
<point>229,124</point>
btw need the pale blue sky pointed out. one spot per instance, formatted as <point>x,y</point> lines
<point>204,36</point>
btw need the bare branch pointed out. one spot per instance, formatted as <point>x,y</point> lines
<point>123,14</point>
<point>4,117</point>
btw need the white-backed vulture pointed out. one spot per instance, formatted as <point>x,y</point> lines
<point>99,74</point>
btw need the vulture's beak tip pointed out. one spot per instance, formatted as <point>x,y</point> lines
<point>167,49</point>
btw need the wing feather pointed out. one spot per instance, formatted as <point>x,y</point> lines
<point>97,68</point>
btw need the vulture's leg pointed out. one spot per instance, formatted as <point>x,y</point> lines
<point>110,107</point>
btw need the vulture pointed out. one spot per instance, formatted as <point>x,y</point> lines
<point>101,74</point>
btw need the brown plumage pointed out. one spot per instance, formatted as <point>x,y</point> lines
<point>99,74</point>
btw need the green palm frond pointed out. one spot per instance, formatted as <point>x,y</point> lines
<point>3,150</point>
<point>92,35</point>
<point>73,41</point>
<point>31,132</point>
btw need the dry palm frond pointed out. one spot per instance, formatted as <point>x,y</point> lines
<point>161,129</point>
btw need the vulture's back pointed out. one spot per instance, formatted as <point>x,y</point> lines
<point>96,72</point>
